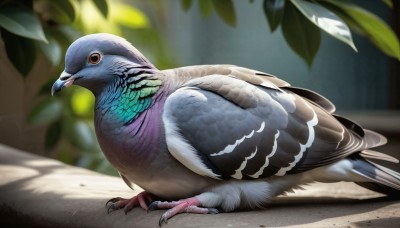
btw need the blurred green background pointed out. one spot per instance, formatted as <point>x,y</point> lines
<point>307,43</point>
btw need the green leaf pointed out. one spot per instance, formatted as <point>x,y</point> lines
<point>20,51</point>
<point>47,111</point>
<point>186,4</point>
<point>66,34</point>
<point>102,6</point>
<point>80,134</point>
<point>53,135</point>
<point>326,20</point>
<point>52,50</point>
<point>301,35</point>
<point>377,31</point>
<point>82,101</point>
<point>225,11</point>
<point>206,7</point>
<point>273,10</point>
<point>22,22</point>
<point>129,16</point>
<point>389,3</point>
<point>64,7</point>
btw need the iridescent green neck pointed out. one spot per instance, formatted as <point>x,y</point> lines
<point>128,100</point>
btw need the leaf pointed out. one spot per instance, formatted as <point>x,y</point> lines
<point>128,16</point>
<point>389,3</point>
<point>80,134</point>
<point>22,22</point>
<point>66,34</point>
<point>206,7</point>
<point>47,111</point>
<point>52,50</point>
<point>301,35</point>
<point>64,7</point>
<point>102,6</point>
<point>273,10</point>
<point>377,31</point>
<point>82,101</point>
<point>186,4</point>
<point>225,11</point>
<point>20,51</point>
<point>53,135</point>
<point>325,20</point>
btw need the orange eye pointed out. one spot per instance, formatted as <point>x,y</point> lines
<point>94,58</point>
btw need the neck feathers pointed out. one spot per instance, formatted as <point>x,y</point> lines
<point>126,99</point>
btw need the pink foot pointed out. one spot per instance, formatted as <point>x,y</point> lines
<point>190,205</point>
<point>139,200</point>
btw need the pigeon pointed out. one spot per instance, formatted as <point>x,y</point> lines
<point>215,138</point>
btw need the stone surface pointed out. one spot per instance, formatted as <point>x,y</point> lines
<point>40,192</point>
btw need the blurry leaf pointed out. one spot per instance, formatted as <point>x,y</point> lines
<point>52,50</point>
<point>372,26</point>
<point>206,7</point>
<point>68,34</point>
<point>128,16</point>
<point>102,6</point>
<point>82,101</point>
<point>186,4</point>
<point>20,51</point>
<point>53,135</point>
<point>86,160</point>
<point>22,22</point>
<point>64,7</point>
<point>47,111</point>
<point>326,20</point>
<point>81,134</point>
<point>389,3</point>
<point>66,156</point>
<point>301,35</point>
<point>46,88</point>
<point>225,11</point>
<point>273,10</point>
<point>92,21</point>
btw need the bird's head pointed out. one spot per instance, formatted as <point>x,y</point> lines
<point>95,60</point>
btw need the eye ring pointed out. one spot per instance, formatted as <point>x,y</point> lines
<point>94,58</point>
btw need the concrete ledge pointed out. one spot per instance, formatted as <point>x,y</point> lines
<point>41,192</point>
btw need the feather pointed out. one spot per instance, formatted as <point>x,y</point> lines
<point>215,136</point>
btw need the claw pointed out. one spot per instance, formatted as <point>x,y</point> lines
<point>153,206</point>
<point>119,203</point>
<point>113,200</point>
<point>111,208</point>
<point>213,211</point>
<point>163,219</point>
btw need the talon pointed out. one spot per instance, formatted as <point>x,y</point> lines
<point>111,208</point>
<point>153,206</point>
<point>128,204</point>
<point>113,200</point>
<point>213,211</point>
<point>163,219</point>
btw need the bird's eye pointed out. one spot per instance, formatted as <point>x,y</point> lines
<point>94,58</point>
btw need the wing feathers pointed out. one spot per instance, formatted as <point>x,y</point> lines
<point>314,97</point>
<point>247,124</point>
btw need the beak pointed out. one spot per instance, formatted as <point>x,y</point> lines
<point>65,80</point>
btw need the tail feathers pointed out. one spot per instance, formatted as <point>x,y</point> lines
<point>379,178</point>
<point>374,139</point>
<point>370,138</point>
<point>371,154</point>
